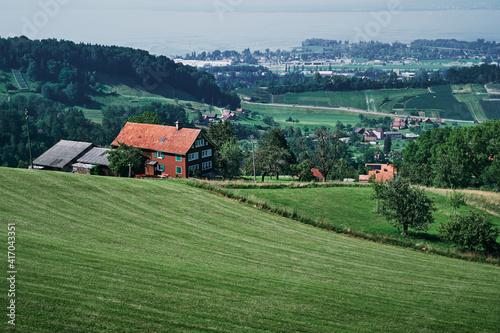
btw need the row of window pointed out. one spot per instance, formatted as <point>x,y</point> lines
<point>204,166</point>
<point>204,153</point>
<point>178,169</point>
<point>191,157</point>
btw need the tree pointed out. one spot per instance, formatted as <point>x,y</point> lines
<point>147,117</point>
<point>227,152</point>
<point>378,190</point>
<point>274,156</point>
<point>406,206</point>
<point>272,160</point>
<point>387,145</point>
<point>227,159</point>
<point>327,150</point>
<point>457,199</point>
<point>126,160</point>
<point>473,231</point>
<point>303,171</point>
<point>221,132</point>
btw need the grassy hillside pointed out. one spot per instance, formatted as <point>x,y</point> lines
<point>310,117</point>
<point>329,205</point>
<point>119,255</point>
<point>115,90</point>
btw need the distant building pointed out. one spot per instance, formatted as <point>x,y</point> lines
<point>228,115</point>
<point>394,135</point>
<point>316,173</point>
<point>379,133</point>
<point>411,136</point>
<point>380,173</point>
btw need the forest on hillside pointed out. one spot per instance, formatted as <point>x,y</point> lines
<point>66,71</point>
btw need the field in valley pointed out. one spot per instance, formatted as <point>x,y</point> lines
<point>109,254</point>
<point>457,102</point>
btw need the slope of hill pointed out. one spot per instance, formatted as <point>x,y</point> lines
<point>111,254</point>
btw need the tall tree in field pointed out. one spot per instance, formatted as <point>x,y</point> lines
<point>406,206</point>
<point>274,156</point>
<point>227,151</point>
<point>327,151</point>
<point>387,145</point>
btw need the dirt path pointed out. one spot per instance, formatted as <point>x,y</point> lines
<point>342,108</point>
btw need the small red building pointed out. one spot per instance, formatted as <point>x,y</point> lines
<point>171,151</point>
<point>381,173</point>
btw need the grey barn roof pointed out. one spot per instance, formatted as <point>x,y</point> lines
<point>95,156</point>
<point>62,154</point>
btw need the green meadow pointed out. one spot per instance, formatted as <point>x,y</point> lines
<point>96,254</point>
<point>310,117</point>
<point>353,208</point>
<point>458,102</point>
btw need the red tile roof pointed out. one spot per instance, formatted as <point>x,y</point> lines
<point>317,174</point>
<point>158,138</point>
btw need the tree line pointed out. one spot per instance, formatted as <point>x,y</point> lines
<point>477,74</point>
<point>422,49</point>
<point>455,157</point>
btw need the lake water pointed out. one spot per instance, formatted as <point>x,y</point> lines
<point>177,33</point>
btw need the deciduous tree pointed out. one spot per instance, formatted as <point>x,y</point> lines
<point>327,150</point>
<point>126,160</point>
<point>406,206</point>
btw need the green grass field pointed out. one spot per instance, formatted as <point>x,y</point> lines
<point>354,99</point>
<point>442,102</point>
<point>310,117</point>
<point>386,100</point>
<point>119,255</point>
<point>491,109</point>
<point>451,102</point>
<point>329,205</point>
<point>474,103</point>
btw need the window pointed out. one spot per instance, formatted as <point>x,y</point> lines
<point>159,155</point>
<point>178,158</point>
<point>178,170</point>
<point>206,165</point>
<point>206,153</point>
<point>200,143</point>
<point>194,167</point>
<point>193,156</point>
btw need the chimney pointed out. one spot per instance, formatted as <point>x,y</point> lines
<point>177,125</point>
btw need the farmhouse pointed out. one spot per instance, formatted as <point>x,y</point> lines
<point>62,155</point>
<point>380,173</point>
<point>171,151</point>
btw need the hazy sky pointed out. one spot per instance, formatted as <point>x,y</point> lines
<point>174,27</point>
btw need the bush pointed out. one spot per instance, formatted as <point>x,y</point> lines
<point>473,231</point>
